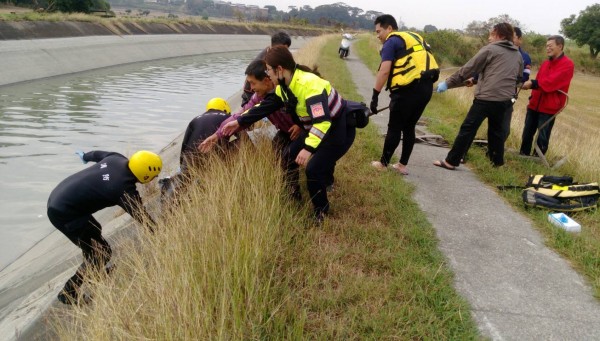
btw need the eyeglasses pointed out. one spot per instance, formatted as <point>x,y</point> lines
<point>267,70</point>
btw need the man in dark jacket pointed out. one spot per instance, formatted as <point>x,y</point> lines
<point>546,100</point>
<point>200,128</point>
<point>499,66</point>
<point>111,181</point>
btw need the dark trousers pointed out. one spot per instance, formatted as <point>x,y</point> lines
<point>86,233</point>
<point>506,122</point>
<point>321,166</point>
<point>506,119</point>
<point>533,121</point>
<point>406,107</point>
<point>281,143</point>
<point>479,111</point>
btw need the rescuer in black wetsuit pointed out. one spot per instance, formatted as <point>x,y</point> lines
<point>111,181</point>
<point>201,127</point>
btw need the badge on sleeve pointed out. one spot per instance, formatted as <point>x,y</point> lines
<point>317,110</point>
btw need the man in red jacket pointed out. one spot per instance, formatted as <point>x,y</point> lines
<point>554,75</point>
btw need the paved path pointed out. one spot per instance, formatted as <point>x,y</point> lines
<point>518,288</point>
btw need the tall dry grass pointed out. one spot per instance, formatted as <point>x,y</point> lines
<point>209,270</point>
<point>239,261</point>
<point>574,135</point>
<point>575,132</point>
<point>307,55</point>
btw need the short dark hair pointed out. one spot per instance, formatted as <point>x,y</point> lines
<point>257,69</point>
<point>504,30</point>
<point>281,38</point>
<point>559,40</point>
<point>518,32</point>
<point>385,21</point>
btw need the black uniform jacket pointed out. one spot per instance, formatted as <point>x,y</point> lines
<point>107,183</point>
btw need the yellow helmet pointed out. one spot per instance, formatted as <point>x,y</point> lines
<point>218,103</point>
<point>145,165</point>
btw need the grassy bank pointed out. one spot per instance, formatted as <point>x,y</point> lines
<point>238,260</point>
<point>574,136</point>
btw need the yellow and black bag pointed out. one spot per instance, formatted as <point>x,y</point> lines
<point>560,193</point>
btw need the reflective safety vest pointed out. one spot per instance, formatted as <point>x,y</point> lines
<point>308,88</point>
<point>413,63</point>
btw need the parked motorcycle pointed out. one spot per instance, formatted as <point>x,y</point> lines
<point>344,49</point>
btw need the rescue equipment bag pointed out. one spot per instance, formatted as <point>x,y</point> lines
<point>560,193</point>
<point>357,114</point>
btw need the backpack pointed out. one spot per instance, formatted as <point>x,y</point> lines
<point>357,114</point>
<point>560,193</point>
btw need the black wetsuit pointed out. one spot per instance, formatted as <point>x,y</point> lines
<point>198,130</point>
<point>71,204</point>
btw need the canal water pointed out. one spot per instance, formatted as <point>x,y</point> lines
<point>123,109</point>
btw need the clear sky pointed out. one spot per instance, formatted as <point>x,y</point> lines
<point>539,16</point>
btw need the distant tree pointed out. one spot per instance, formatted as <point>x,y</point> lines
<point>83,6</point>
<point>272,9</point>
<point>371,15</point>
<point>584,29</point>
<point>70,6</point>
<point>100,5</point>
<point>481,29</point>
<point>476,28</point>
<point>238,15</point>
<point>429,28</point>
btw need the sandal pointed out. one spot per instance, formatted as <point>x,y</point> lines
<point>400,168</point>
<point>378,165</point>
<point>443,164</point>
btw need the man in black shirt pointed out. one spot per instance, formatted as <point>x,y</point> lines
<point>201,127</point>
<point>111,181</point>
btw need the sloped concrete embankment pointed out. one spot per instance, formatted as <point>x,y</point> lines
<point>25,60</point>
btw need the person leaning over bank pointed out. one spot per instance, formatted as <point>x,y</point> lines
<point>287,130</point>
<point>408,70</point>
<point>322,112</point>
<point>499,66</point>
<point>200,128</point>
<point>111,181</point>
<point>279,38</point>
<point>555,75</point>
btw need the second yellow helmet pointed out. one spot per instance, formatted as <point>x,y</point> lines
<point>218,103</point>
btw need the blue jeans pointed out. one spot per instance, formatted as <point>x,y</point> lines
<point>533,121</point>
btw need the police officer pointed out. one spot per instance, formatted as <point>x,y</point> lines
<point>408,70</point>
<point>287,130</point>
<point>318,108</point>
<point>111,181</point>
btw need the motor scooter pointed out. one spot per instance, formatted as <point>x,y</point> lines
<point>344,49</point>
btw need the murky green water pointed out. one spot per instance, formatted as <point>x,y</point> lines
<point>123,109</point>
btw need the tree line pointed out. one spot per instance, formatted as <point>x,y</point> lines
<point>584,28</point>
